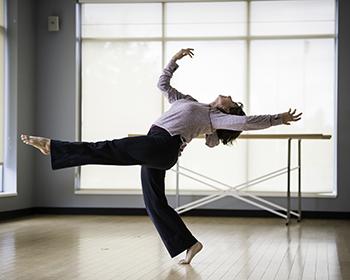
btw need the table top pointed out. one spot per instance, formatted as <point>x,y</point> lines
<point>274,136</point>
<point>285,136</point>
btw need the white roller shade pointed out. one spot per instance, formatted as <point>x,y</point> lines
<point>269,55</point>
<point>2,63</point>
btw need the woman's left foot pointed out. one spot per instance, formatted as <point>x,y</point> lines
<point>191,252</point>
<point>41,143</point>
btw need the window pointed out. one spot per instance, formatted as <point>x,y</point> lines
<point>2,89</point>
<point>269,55</point>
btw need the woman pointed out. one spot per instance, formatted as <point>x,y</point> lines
<point>158,151</point>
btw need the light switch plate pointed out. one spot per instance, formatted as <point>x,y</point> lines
<point>53,23</point>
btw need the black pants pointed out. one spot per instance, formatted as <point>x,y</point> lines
<point>156,152</point>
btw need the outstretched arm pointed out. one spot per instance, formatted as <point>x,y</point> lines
<point>164,80</point>
<point>241,123</point>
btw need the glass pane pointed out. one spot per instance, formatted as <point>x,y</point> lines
<point>317,165</point>
<point>206,19</point>
<point>226,164</point>
<point>119,97</point>
<point>2,103</point>
<point>121,20</point>
<point>292,17</point>
<point>2,90</point>
<point>294,73</point>
<point>217,67</point>
<point>303,79</point>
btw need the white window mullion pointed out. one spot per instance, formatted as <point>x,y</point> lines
<point>246,104</point>
<point>2,88</point>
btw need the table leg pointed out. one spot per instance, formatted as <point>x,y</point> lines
<point>288,180</point>
<point>299,180</point>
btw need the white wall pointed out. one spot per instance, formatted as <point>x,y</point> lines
<point>21,37</point>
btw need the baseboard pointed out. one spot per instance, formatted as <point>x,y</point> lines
<point>90,211</point>
<point>16,214</point>
<point>142,212</point>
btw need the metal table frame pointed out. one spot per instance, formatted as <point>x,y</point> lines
<point>238,192</point>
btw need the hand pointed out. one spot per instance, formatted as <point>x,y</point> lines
<point>290,117</point>
<point>183,52</point>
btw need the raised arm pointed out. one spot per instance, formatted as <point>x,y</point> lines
<point>164,80</point>
<point>241,123</point>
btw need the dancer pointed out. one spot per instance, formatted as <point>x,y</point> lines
<point>221,120</point>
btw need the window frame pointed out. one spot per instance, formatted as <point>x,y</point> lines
<point>3,29</point>
<point>163,39</point>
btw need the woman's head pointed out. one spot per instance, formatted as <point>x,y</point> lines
<point>224,103</point>
<point>227,106</point>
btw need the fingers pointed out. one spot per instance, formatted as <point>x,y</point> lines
<point>188,51</point>
<point>295,117</point>
<point>291,116</point>
<point>183,52</point>
<point>292,113</point>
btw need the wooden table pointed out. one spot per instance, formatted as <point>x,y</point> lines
<point>251,199</point>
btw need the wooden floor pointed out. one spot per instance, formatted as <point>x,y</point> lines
<point>128,247</point>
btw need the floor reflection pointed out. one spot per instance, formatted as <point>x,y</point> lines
<point>128,247</point>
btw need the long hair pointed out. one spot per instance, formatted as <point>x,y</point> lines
<point>225,135</point>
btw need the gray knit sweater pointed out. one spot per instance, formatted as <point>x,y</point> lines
<point>190,118</point>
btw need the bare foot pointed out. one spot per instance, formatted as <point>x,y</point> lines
<point>191,252</point>
<point>41,143</point>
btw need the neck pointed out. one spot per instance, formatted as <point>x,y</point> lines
<point>213,104</point>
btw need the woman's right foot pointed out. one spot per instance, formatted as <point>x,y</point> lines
<point>41,143</point>
<point>191,252</point>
